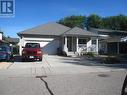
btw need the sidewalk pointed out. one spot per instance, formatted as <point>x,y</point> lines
<point>5,65</point>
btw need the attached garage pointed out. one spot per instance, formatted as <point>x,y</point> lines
<point>48,35</point>
<point>48,45</point>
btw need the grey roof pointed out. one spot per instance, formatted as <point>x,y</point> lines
<point>52,29</point>
<point>106,30</point>
<point>79,32</point>
<point>12,40</point>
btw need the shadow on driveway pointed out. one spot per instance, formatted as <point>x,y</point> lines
<point>89,62</point>
<point>18,58</point>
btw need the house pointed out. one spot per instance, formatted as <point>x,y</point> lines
<point>13,41</point>
<point>53,37</point>
<point>2,39</point>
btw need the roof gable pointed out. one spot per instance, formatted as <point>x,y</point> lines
<point>79,31</point>
<point>52,29</point>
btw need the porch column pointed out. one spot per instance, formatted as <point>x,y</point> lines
<point>65,45</point>
<point>117,47</point>
<point>97,45</point>
<point>77,49</point>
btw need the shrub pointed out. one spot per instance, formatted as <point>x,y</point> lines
<point>89,54</point>
<point>110,60</point>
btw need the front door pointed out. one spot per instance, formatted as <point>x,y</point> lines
<point>71,44</point>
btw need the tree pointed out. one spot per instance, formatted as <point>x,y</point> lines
<point>72,21</point>
<point>123,22</point>
<point>113,22</point>
<point>95,21</point>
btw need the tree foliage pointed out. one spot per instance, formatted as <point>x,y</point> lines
<point>94,21</point>
<point>73,21</point>
<point>118,22</point>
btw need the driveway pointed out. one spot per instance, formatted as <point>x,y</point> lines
<point>53,64</point>
<point>76,65</point>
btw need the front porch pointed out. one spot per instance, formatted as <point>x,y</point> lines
<point>78,44</point>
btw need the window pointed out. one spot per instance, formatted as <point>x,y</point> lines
<point>32,45</point>
<point>82,41</point>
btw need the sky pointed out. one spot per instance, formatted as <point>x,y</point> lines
<point>30,13</point>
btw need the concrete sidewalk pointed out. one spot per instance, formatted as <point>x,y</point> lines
<point>5,65</point>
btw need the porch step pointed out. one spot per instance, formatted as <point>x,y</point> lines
<point>72,54</point>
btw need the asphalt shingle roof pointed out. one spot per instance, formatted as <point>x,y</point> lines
<point>55,29</point>
<point>52,29</point>
<point>106,30</point>
<point>13,40</point>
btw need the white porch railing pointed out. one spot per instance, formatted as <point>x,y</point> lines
<point>91,48</point>
<point>83,48</point>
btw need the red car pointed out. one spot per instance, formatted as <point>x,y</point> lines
<point>32,51</point>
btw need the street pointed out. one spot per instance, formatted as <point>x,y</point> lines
<point>52,78</point>
<point>75,84</point>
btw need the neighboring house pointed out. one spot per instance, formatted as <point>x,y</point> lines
<point>13,41</point>
<point>53,37</point>
<point>2,40</point>
<point>111,41</point>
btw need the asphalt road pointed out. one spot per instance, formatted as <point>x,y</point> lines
<point>105,83</point>
<point>61,76</point>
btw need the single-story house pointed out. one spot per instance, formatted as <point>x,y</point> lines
<point>54,37</point>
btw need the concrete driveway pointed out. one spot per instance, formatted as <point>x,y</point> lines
<point>76,65</point>
<point>53,64</point>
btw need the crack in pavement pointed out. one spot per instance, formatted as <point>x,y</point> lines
<point>46,84</point>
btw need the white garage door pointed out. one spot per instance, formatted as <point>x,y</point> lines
<point>49,46</point>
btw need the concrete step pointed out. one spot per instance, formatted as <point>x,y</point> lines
<point>72,54</point>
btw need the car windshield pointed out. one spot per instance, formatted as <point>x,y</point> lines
<point>32,45</point>
<point>2,48</point>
